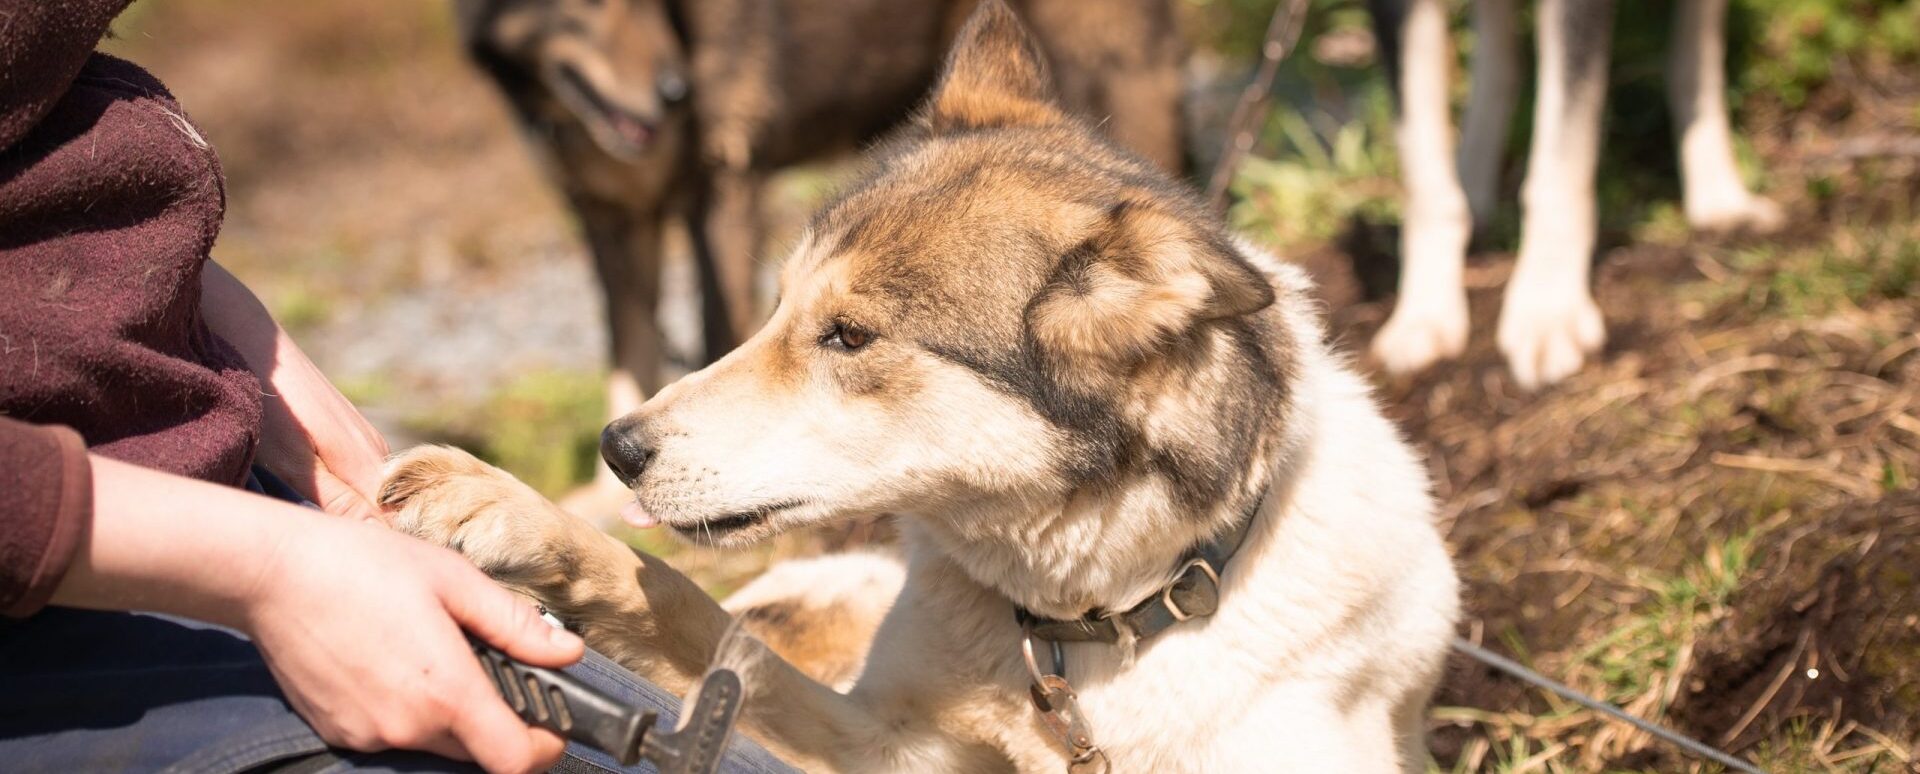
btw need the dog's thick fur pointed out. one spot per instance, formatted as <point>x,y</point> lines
<point>653,110</point>
<point>1549,323</point>
<point>1053,364</point>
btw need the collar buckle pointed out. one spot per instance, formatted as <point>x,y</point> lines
<point>1188,578</point>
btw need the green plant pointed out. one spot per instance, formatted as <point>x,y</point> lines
<point>1313,186</point>
<point>544,427</point>
<point>1789,48</point>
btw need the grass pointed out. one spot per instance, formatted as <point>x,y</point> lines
<point>1857,267</point>
<point>544,427</point>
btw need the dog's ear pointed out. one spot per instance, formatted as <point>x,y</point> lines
<point>995,77</point>
<point>1144,278</point>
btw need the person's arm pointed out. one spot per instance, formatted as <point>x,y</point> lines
<point>45,502</point>
<point>361,626</point>
<point>311,436</point>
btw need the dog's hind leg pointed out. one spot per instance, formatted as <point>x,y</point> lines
<point>1716,198</point>
<point>1549,322</point>
<point>1429,320</point>
<point>1496,83</point>
<point>820,613</point>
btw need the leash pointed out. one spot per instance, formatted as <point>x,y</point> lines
<point>1194,592</point>
<point>1675,738</point>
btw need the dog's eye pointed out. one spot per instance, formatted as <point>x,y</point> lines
<point>845,336</point>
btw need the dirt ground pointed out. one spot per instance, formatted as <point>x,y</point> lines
<point>1716,525</point>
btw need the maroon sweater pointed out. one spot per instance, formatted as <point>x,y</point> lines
<point>109,202</point>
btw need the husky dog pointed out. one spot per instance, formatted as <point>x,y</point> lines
<point>656,110</point>
<point>1549,323</point>
<point>1150,522</point>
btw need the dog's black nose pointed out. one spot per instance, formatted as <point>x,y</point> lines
<point>626,448</point>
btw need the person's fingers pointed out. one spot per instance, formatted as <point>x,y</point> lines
<point>340,499</point>
<point>445,746</point>
<point>547,747</point>
<point>503,619</point>
<point>498,739</point>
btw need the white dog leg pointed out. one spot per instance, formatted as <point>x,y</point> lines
<point>1716,198</point>
<point>1549,322</point>
<point>1496,81</point>
<point>1429,320</point>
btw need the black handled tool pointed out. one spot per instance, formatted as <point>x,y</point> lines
<point>554,700</point>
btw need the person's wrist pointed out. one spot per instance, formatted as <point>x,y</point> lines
<point>256,580</point>
<point>169,544</point>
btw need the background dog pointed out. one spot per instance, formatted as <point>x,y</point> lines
<point>1549,323</point>
<point>1051,360</point>
<point>651,110</point>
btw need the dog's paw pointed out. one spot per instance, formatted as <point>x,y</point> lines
<point>448,497</point>
<point>1547,336</point>
<point>1741,212</point>
<point>1422,332</point>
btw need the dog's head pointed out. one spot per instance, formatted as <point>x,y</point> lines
<point>616,65</point>
<point>996,314</point>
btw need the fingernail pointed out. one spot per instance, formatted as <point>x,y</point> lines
<point>562,638</point>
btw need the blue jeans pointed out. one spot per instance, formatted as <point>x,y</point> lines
<point>87,691</point>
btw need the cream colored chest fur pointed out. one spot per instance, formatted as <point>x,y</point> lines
<point>1333,624</point>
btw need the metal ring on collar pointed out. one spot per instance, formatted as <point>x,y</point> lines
<point>1033,665</point>
<point>1166,594</point>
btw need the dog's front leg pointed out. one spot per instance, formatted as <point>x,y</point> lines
<point>641,613</point>
<point>614,596</point>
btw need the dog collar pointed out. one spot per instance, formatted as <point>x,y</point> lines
<point>1194,592</point>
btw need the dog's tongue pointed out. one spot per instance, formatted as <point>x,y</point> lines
<point>635,131</point>
<point>637,516</point>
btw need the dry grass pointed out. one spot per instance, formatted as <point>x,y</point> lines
<point>1718,525</point>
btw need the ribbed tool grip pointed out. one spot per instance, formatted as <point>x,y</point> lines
<point>554,700</point>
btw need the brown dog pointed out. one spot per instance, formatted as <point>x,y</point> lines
<point>649,109</point>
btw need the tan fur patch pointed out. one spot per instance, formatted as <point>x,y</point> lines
<point>1144,278</point>
<point>997,77</point>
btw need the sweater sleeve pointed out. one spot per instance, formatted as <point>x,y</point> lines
<point>46,505</point>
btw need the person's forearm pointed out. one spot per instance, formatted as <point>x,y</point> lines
<point>163,543</point>
<point>311,435</point>
<point>235,314</point>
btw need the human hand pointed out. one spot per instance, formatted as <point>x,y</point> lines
<point>363,630</point>
<point>362,626</point>
<point>315,439</point>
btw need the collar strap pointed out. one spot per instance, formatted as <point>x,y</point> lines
<point>1194,592</point>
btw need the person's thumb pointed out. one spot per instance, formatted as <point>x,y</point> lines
<point>506,621</point>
